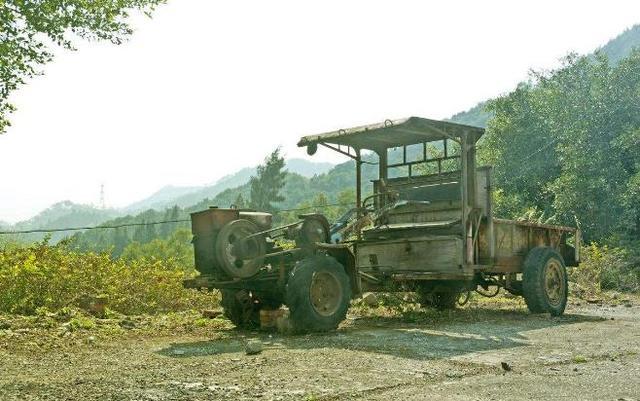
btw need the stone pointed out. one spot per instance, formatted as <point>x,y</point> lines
<point>127,324</point>
<point>370,299</point>
<point>253,347</point>
<point>211,313</point>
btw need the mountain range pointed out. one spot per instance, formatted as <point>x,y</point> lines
<point>70,214</point>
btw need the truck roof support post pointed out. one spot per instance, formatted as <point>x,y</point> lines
<point>358,184</point>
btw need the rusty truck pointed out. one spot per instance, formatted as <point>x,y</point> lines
<point>424,224</point>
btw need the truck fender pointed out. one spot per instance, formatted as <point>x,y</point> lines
<point>343,254</point>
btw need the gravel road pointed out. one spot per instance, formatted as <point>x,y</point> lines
<point>490,352</point>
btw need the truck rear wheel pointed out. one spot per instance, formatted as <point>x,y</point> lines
<point>544,281</point>
<point>239,308</point>
<point>442,295</point>
<point>318,294</point>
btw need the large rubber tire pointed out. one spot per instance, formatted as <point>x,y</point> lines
<point>441,295</point>
<point>243,307</point>
<point>240,308</point>
<point>318,294</point>
<point>544,281</point>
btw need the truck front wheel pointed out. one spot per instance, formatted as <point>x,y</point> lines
<point>544,281</point>
<point>318,294</point>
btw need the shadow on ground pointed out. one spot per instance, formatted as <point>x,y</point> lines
<point>450,334</point>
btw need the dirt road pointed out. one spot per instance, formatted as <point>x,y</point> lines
<point>592,353</point>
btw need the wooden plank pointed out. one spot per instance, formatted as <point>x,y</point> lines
<point>432,253</point>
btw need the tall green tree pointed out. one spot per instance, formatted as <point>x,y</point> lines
<point>267,184</point>
<point>566,144</point>
<point>26,26</point>
<point>172,214</point>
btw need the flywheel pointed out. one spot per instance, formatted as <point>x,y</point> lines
<point>239,254</point>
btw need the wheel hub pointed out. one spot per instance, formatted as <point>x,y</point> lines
<point>325,293</point>
<point>554,282</point>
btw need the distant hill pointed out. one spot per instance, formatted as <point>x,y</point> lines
<point>475,116</point>
<point>187,196</point>
<point>616,49</point>
<point>620,46</point>
<point>69,214</point>
<point>160,198</point>
<point>64,214</point>
<point>307,168</point>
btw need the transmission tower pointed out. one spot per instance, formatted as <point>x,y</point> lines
<point>103,204</point>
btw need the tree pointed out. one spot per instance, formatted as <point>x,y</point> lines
<point>120,241</point>
<point>565,144</point>
<point>171,214</point>
<point>176,248</point>
<point>25,27</point>
<point>239,202</point>
<point>268,182</point>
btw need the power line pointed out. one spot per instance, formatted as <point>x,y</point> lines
<point>54,230</point>
<point>111,227</point>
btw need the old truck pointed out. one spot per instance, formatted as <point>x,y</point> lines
<point>425,224</point>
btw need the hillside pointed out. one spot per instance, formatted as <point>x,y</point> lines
<point>69,214</point>
<point>159,199</point>
<point>64,214</point>
<point>475,116</point>
<point>615,50</point>
<point>187,196</point>
<point>622,45</point>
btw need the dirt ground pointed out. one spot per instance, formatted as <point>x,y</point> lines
<point>591,353</point>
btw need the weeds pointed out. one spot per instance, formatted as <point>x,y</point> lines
<point>54,277</point>
<point>605,268</point>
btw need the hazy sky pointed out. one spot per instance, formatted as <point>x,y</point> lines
<point>208,87</point>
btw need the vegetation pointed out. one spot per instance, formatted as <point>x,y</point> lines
<point>51,277</point>
<point>604,268</point>
<point>565,146</point>
<point>25,27</point>
<point>619,47</point>
<point>266,185</point>
<point>477,116</point>
<point>615,50</point>
<point>582,123</point>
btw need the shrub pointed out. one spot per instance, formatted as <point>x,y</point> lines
<point>54,277</point>
<point>606,268</point>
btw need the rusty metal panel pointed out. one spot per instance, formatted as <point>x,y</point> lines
<point>390,133</point>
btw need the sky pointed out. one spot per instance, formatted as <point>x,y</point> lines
<point>205,88</point>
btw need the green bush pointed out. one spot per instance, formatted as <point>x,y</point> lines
<point>54,277</point>
<point>607,268</point>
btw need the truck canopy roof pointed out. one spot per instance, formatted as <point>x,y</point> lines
<point>392,133</point>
